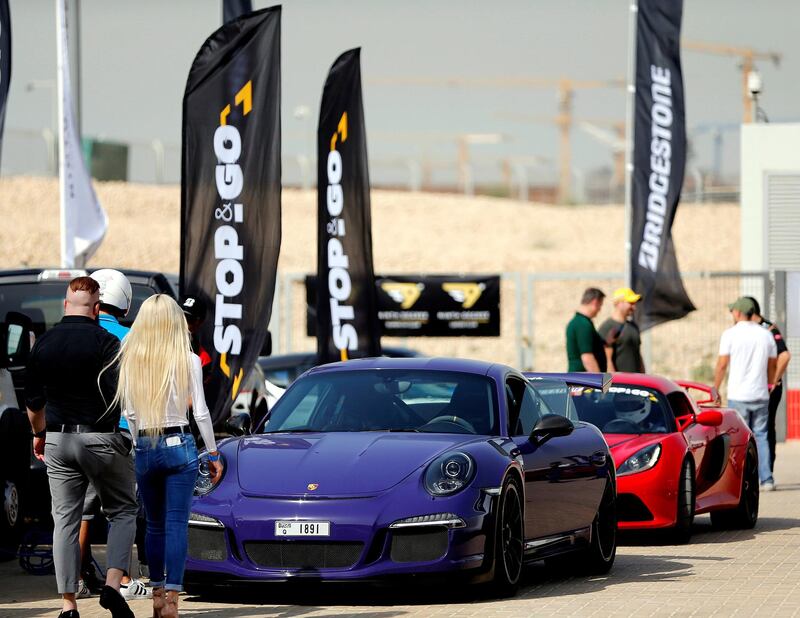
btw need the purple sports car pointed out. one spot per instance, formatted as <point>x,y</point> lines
<point>383,467</point>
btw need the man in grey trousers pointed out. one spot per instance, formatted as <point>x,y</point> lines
<point>67,394</point>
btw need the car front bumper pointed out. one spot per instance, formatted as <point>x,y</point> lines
<point>368,539</point>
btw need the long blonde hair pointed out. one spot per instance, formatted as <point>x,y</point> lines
<point>155,362</point>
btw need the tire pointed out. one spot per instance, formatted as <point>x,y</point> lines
<point>509,542</point>
<point>745,514</point>
<point>11,520</point>
<point>686,502</point>
<point>599,557</point>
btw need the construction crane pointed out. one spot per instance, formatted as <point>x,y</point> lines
<point>566,91</point>
<point>748,56</point>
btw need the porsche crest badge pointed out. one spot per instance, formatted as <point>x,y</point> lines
<point>312,486</point>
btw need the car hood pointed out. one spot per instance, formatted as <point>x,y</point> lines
<point>624,445</point>
<point>335,464</point>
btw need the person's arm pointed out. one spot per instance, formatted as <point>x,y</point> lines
<point>584,337</point>
<point>590,362</point>
<point>609,358</point>
<point>35,401</point>
<point>771,365</point>
<point>719,373</point>
<point>203,417</point>
<point>781,364</point>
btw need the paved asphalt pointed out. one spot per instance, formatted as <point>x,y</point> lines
<point>744,573</point>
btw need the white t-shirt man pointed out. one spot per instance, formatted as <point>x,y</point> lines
<point>750,347</point>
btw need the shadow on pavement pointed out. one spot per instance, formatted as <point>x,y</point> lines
<point>704,532</point>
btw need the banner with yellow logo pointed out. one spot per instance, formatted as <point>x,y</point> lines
<point>429,305</point>
<point>347,325</point>
<point>231,196</point>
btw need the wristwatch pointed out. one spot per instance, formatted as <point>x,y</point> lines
<point>40,434</point>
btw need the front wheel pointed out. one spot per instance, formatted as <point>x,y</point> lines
<point>682,531</point>
<point>509,545</point>
<point>745,515</point>
<point>10,519</point>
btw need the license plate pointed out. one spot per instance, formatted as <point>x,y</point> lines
<point>302,528</point>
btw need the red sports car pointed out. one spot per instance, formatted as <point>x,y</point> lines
<point>675,457</point>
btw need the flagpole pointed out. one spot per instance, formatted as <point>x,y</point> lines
<point>66,261</point>
<point>630,107</point>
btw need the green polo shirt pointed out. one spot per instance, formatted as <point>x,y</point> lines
<point>582,338</point>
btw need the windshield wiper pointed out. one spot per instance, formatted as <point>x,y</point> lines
<point>403,430</point>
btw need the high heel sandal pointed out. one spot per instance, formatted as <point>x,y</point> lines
<point>171,606</point>
<point>158,602</point>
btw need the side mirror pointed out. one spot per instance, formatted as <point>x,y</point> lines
<point>552,425</point>
<point>709,418</point>
<point>238,425</point>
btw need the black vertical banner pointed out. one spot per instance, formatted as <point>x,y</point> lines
<point>347,316</point>
<point>231,194</point>
<point>659,159</point>
<point>5,63</point>
<point>233,9</point>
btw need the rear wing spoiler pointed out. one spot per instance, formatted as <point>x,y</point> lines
<point>599,381</point>
<point>712,393</point>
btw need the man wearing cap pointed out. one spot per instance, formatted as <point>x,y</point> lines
<point>621,333</point>
<point>750,353</point>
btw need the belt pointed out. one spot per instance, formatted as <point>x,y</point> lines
<point>163,431</point>
<point>81,429</point>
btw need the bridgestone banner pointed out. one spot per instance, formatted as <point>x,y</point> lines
<point>5,63</point>
<point>231,195</point>
<point>659,159</point>
<point>347,325</point>
<point>430,305</point>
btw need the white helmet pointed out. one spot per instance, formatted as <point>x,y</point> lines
<point>631,408</point>
<point>115,289</point>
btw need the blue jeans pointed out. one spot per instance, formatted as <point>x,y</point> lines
<point>166,475</point>
<point>756,415</point>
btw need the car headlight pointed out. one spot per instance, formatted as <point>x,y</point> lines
<point>449,473</point>
<point>204,484</point>
<point>641,460</point>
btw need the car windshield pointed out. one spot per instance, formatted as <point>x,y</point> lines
<point>625,408</point>
<point>43,302</point>
<point>387,400</point>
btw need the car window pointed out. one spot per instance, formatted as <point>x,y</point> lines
<point>43,302</point>
<point>679,404</point>
<point>387,400</point>
<point>624,409</point>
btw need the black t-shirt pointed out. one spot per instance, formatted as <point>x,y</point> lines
<point>626,342</point>
<point>62,373</point>
<point>780,342</point>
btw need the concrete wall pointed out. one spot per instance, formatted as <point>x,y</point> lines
<point>764,148</point>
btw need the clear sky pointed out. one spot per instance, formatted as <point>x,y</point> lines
<point>136,55</point>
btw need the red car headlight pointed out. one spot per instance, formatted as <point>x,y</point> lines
<point>641,460</point>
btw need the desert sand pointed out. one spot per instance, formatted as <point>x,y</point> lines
<point>427,233</point>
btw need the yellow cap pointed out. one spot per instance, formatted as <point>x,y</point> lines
<point>626,294</point>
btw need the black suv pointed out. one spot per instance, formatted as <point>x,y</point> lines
<point>31,301</point>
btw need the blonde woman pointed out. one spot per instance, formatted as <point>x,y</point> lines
<point>159,378</point>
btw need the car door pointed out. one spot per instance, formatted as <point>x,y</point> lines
<point>708,447</point>
<point>559,473</point>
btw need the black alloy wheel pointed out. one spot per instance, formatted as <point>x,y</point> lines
<point>10,519</point>
<point>509,553</point>
<point>686,502</point>
<point>745,515</point>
